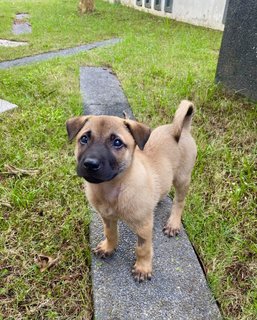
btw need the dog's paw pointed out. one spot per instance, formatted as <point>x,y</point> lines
<point>141,274</point>
<point>171,230</point>
<point>103,249</point>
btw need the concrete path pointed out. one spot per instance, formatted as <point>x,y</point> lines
<point>59,53</point>
<point>178,289</point>
<point>102,93</point>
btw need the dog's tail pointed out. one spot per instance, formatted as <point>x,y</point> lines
<point>182,119</point>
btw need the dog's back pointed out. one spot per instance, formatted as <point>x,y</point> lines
<point>171,149</point>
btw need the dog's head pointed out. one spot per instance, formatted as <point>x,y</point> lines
<point>105,145</point>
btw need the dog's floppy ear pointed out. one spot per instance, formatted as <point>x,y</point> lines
<point>139,132</point>
<point>74,125</point>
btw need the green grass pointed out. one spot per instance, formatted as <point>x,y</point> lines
<point>158,63</point>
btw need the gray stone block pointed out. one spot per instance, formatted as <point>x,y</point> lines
<point>178,289</point>
<point>20,25</point>
<point>102,93</point>
<point>54,54</point>
<point>237,65</point>
<point>21,28</point>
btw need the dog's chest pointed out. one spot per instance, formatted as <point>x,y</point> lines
<point>106,200</point>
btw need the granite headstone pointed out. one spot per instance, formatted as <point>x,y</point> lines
<point>237,65</point>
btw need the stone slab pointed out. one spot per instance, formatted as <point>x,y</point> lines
<point>21,25</point>
<point>10,43</point>
<point>101,92</point>
<point>237,65</point>
<point>21,28</point>
<point>54,54</point>
<point>6,105</point>
<point>178,289</point>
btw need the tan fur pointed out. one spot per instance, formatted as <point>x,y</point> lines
<point>167,159</point>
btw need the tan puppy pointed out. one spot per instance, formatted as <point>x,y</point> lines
<point>128,169</point>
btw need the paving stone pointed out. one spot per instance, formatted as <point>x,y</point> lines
<point>178,289</point>
<point>54,54</point>
<point>20,25</point>
<point>10,43</point>
<point>21,28</point>
<point>6,105</point>
<point>237,65</point>
<point>101,92</point>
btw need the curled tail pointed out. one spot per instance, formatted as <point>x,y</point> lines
<point>182,119</point>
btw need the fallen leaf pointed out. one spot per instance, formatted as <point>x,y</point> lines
<point>45,262</point>
<point>5,204</point>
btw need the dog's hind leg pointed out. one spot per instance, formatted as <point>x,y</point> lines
<point>109,244</point>
<point>173,225</point>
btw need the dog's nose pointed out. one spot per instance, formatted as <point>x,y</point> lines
<point>92,164</point>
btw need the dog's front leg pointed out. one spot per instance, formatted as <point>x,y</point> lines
<point>142,269</point>
<point>109,244</point>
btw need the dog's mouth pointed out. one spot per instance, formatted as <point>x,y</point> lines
<point>96,180</point>
<point>99,173</point>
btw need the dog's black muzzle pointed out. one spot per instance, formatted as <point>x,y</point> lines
<point>97,164</point>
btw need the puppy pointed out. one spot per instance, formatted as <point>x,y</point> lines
<point>128,169</point>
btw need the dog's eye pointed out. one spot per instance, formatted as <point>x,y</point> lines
<point>84,140</point>
<point>117,143</point>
